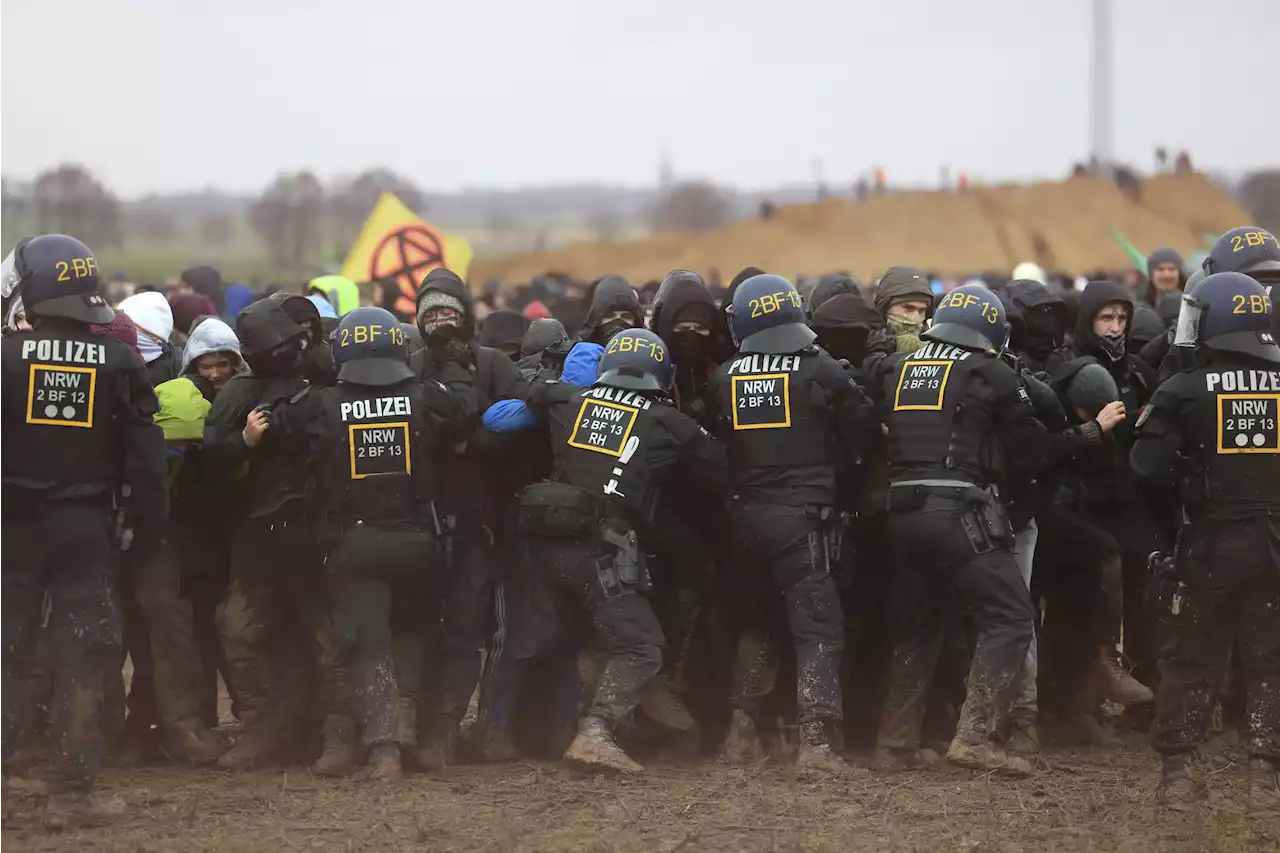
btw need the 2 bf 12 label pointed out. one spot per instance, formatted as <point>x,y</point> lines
<point>61,395</point>
<point>379,449</point>
<point>1247,423</point>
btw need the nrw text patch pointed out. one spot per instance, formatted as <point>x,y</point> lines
<point>61,395</point>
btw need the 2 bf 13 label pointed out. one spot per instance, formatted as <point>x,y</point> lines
<point>603,427</point>
<point>762,401</point>
<point>922,386</point>
<point>379,449</point>
<point>61,395</point>
<point>1247,423</point>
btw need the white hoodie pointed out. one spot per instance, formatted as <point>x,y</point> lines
<point>151,313</point>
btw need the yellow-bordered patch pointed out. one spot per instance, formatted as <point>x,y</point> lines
<point>762,401</point>
<point>386,452</point>
<point>924,384</point>
<point>1250,424</point>
<point>602,431</point>
<point>62,400</point>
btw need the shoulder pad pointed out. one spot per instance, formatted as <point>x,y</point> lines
<point>297,398</point>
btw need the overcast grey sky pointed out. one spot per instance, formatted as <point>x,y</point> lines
<point>168,94</point>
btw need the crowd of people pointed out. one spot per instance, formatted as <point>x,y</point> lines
<point>918,520</point>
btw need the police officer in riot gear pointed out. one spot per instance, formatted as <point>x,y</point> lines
<point>960,422</point>
<point>790,415</point>
<point>1211,433</point>
<point>374,441</point>
<point>77,428</point>
<point>615,444</point>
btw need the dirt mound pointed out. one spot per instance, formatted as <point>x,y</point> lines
<point>1063,226</point>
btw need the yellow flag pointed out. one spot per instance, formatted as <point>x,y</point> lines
<point>397,247</point>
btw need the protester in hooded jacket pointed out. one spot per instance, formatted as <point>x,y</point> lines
<point>905,298</point>
<point>686,317</point>
<point>827,287</point>
<point>278,597</point>
<point>1104,485</point>
<point>474,505</point>
<point>615,306</point>
<point>213,354</point>
<point>544,347</point>
<point>318,367</point>
<point>168,685</point>
<point>206,281</point>
<point>1040,321</point>
<point>187,308</point>
<point>1164,275</point>
<point>503,330</point>
<point>151,313</point>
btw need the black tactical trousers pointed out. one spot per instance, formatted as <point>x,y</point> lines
<point>780,549</point>
<point>447,667</point>
<point>383,581</point>
<point>939,570</point>
<point>1078,575</point>
<point>1225,592</point>
<point>63,548</point>
<point>623,621</point>
<point>278,627</point>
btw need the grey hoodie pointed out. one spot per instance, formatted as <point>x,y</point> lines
<point>210,335</point>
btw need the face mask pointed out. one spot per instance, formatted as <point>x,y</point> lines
<point>1112,345</point>
<point>689,347</point>
<point>443,334</point>
<point>606,332</point>
<point>903,325</point>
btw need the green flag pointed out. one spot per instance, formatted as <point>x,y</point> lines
<point>1139,259</point>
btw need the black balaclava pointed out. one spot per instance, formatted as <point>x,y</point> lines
<point>612,293</point>
<point>503,330</point>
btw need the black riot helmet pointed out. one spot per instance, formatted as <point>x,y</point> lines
<point>970,316</point>
<point>1228,311</point>
<point>370,348</point>
<point>1248,249</point>
<point>272,342</point>
<point>57,276</point>
<point>636,359</point>
<point>767,316</point>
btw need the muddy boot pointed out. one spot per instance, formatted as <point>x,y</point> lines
<point>986,757</point>
<point>594,749</point>
<point>1117,685</point>
<point>816,756</point>
<point>407,724</point>
<point>384,763</point>
<point>1179,788</point>
<point>741,742</point>
<point>1023,740</point>
<point>194,745</point>
<point>339,754</point>
<point>67,810</point>
<point>662,705</point>
<point>890,759</point>
<point>255,747</point>
<point>1264,785</point>
<point>441,746</point>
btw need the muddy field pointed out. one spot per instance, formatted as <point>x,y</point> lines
<point>1081,800</point>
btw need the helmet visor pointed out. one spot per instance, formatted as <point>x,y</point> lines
<point>1187,328</point>
<point>9,278</point>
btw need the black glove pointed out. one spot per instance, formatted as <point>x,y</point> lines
<point>882,341</point>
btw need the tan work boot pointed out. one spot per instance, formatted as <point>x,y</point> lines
<point>890,759</point>
<point>384,763</point>
<point>68,810</point>
<point>1179,787</point>
<point>1264,785</point>
<point>662,705</point>
<point>1116,684</point>
<point>255,747</point>
<point>339,754</point>
<point>816,757</point>
<point>407,724</point>
<point>193,745</point>
<point>1023,740</point>
<point>987,757</point>
<point>594,749</point>
<point>741,742</point>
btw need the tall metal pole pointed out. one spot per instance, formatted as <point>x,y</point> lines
<point>1102,88</point>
